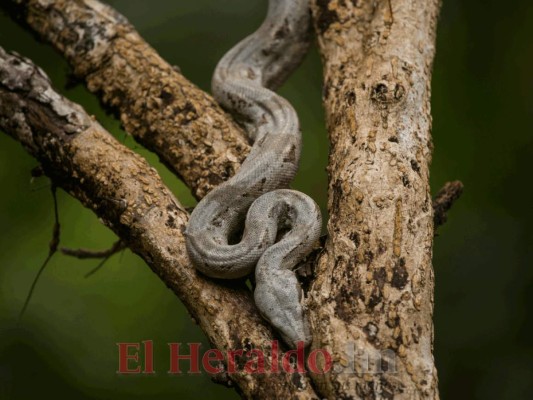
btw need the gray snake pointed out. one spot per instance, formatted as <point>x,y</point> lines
<point>253,220</point>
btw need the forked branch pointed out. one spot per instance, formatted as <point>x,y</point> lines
<point>128,195</point>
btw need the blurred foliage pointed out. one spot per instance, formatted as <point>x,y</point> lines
<point>483,112</point>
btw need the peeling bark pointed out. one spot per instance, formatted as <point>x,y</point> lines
<point>130,198</point>
<point>160,108</point>
<point>373,295</point>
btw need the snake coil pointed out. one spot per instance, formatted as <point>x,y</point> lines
<point>253,220</point>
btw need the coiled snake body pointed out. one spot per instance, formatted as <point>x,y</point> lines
<point>280,225</point>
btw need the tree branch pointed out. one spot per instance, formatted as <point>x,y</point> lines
<point>374,289</point>
<point>181,124</point>
<point>86,253</point>
<point>444,200</point>
<point>128,195</point>
<point>52,250</point>
<point>374,286</point>
<point>161,109</point>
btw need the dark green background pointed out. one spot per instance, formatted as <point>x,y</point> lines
<point>482,110</point>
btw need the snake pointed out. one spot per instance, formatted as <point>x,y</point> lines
<point>254,221</point>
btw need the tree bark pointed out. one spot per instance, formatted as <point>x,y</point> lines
<point>156,104</point>
<point>130,198</point>
<point>372,296</point>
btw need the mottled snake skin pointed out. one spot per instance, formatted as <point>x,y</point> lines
<point>253,220</point>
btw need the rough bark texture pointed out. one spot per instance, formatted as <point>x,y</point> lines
<point>374,289</point>
<point>159,107</point>
<point>128,195</point>
<point>371,302</point>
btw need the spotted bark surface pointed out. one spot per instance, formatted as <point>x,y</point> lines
<point>156,104</point>
<point>130,198</point>
<point>373,295</point>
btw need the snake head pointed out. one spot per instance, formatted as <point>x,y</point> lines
<point>278,297</point>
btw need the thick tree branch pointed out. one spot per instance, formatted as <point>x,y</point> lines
<point>181,124</point>
<point>374,287</point>
<point>159,107</point>
<point>374,291</point>
<point>128,195</point>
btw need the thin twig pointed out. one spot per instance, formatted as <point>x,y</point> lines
<point>97,268</point>
<point>54,243</point>
<point>87,253</point>
<point>105,255</point>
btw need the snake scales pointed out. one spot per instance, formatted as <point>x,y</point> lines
<point>253,220</point>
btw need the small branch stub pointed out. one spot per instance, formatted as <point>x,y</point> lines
<point>444,200</point>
